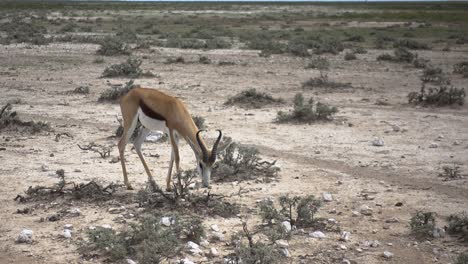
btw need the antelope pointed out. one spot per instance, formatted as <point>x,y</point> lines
<point>145,110</point>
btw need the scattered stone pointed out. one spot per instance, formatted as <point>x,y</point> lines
<point>317,234</point>
<point>204,243</point>
<point>392,220</point>
<point>215,228</point>
<point>106,226</point>
<point>68,226</point>
<point>194,248</point>
<point>45,167</point>
<point>285,252</point>
<point>390,244</point>
<point>342,247</point>
<point>218,236</point>
<point>167,221</point>
<point>345,236</point>
<point>54,217</point>
<point>456,143</point>
<point>286,225</point>
<point>359,250</point>
<point>388,254</point>
<point>332,220</point>
<point>327,197</point>
<point>438,232</point>
<point>374,243</point>
<point>355,213</point>
<point>186,261</point>
<point>67,234</point>
<point>378,142</point>
<point>26,236</point>
<point>332,211</point>
<point>74,212</point>
<point>366,210</point>
<point>282,243</point>
<point>214,252</point>
<point>433,145</point>
<point>116,210</point>
<point>129,261</point>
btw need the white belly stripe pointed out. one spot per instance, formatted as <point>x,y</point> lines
<point>152,124</point>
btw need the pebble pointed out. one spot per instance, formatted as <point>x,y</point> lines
<point>374,243</point>
<point>193,247</point>
<point>282,243</point>
<point>392,220</point>
<point>438,232</point>
<point>166,221</point>
<point>67,234</point>
<point>285,252</point>
<point>218,236</point>
<point>327,197</point>
<point>215,228</point>
<point>332,220</point>
<point>378,142</point>
<point>116,210</point>
<point>342,247</point>
<point>26,236</point>
<point>345,236</point>
<point>204,243</point>
<point>388,254</point>
<point>106,226</point>
<point>186,261</point>
<point>286,225</point>
<point>355,213</point>
<point>130,261</point>
<point>345,261</point>
<point>74,212</point>
<point>214,252</point>
<point>365,210</point>
<point>44,167</point>
<point>317,234</point>
<point>68,226</point>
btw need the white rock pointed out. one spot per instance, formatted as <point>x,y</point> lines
<point>332,211</point>
<point>106,226</point>
<point>130,261</point>
<point>154,136</point>
<point>355,213</point>
<point>214,252</point>
<point>365,210</point>
<point>374,243</point>
<point>332,220</point>
<point>193,247</point>
<point>74,212</point>
<point>317,234</point>
<point>388,254</point>
<point>166,221</point>
<point>342,247</point>
<point>116,210</point>
<point>26,236</point>
<point>218,236</point>
<point>359,250</point>
<point>204,243</point>
<point>327,197</point>
<point>345,236</point>
<point>378,142</point>
<point>282,243</point>
<point>186,261</point>
<point>215,228</point>
<point>286,225</point>
<point>67,234</point>
<point>285,252</point>
<point>68,226</point>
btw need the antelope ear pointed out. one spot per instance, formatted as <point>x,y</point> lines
<point>227,141</point>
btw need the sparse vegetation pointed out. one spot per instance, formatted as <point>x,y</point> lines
<point>9,119</point>
<point>252,99</point>
<point>332,46</point>
<point>461,68</point>
<point>434,75</point>
<point>350,56</point>
<point>421,63</point>
<point>179,59</point>
<point>130,68</point>
<point>410,44</point>
<point>81,90</point>
<point>307,112</point>
<point>422,224</point>
<point>324,82</point>
<point>458,225</point>
<point>451,172</point>
<point>111,46</point>
<point>18,31</point>
<point>114,93</point>
<point>319,63</point>
<point>400,55</point>
<point>441,96</point>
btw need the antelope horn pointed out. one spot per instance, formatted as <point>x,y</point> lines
<point>202,146</point>
<point>215,147</point>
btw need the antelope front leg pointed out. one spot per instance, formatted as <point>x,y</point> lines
<point>174,156</point>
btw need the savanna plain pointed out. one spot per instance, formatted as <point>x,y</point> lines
<point>347,125</point>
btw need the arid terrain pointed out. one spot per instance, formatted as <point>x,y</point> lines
<point>380,157</point>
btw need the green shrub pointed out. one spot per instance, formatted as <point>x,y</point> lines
<point>98,60</point>
<point>179,59</point>
<point>18,31</point>
<point>217,43</point>
<point>114,93</point>
<point>297,49</point>
<point>400,55</point>
<point>323,82</point>
<point>252,99</point>
<point>359,50</point>
<point>307,112</point>
<point>126,34</point>
<point>441,96</point>
<point>204,60</point>
<point>350,56</point>
<point>434,75</point>
<point>461,68</point>
<point>319,63</point>
<point>422,224</point>
<point>111,46</point>
<point>333,46</point>
<point>421,63</point>
<point>356,38</point>
<point>130,68</point>
<point>181,43</point>
<point>385,57</point>
<point>410,44</point>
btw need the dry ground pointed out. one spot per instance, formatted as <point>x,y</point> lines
<point>335,157</point>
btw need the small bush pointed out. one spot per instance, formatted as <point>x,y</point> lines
<point>458,225</point>
<point>350,56</point>
<point>400,55</point>
<point>239,162</point>
<point>126,34</point>
<point>18,31</point>
<point>297,49</point>
<point>441,96</point>
<point>434,75</point>
<point>359,50</point>
<point>181,43</point>
<point>422,224</point>
<point>252,99</point>
<point>111,46</point>
<point>307,112</point>
<point>319,63</point>
<point>410,44</point>
<point>461,68</point>
<point>451,172</point>
<point>356,38</point>
<point>323,82</point>
<point>130,68</point>
<point>299,211</point>
<point>81,90</point>
<point>98,60</point>
<point>204,60</point>
<point>199,121</point>
<point>179,59</point>
<point>385,57</point>
<point>10,119</point>
<point>114,93</point>
<point>217,43</point>
<point>332,46</point>
<point>462,258</point>
<point>421,63</point>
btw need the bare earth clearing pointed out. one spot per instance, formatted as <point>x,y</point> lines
<point>336,157</point>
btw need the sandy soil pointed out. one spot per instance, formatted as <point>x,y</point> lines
<point>335,157</point>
